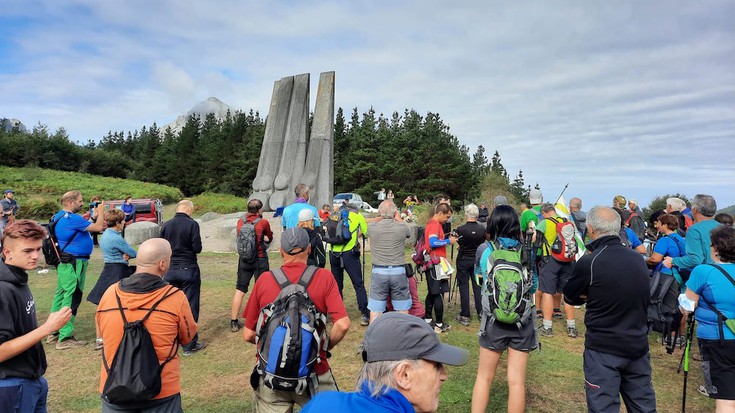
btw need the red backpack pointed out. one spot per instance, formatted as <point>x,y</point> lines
<point>564,248</point>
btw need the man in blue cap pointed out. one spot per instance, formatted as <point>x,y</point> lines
<point>9,207</point>
<point>398,375</point>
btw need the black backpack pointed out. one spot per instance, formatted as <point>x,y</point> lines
<point>663,309</point>
<point>135,373</point>
<point>338,228</point>
<point>50,245</point>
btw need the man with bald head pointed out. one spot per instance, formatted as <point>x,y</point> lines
<point>170,323</point>
<point>182,232</point>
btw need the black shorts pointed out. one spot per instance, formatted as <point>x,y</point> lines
<point>435,287</point>
<point>553,275</point>
<point>246,270</point>
<point>721,360</point>
<point>499,336</point>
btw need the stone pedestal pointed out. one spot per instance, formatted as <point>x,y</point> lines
<point>138,232</point>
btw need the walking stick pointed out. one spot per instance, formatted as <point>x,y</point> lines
<point>685,361</point>
<point>363,255</point>
<point>562,193</point>
<point>453,291</point>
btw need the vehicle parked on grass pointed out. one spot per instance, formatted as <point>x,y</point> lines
<point>353,200</point>
<point>368,208</point>
<point>149,210</point>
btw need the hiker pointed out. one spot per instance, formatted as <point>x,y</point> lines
<point>633,207</point>
<point>8,209</point>
<point>482,214</point>
<point>94,215</point>
<point>388,279</point>
<point>22,358</point>
<point>390,195</point>
<point>724,219</point>
<point>469,237</point>
<point>670,244</point>
<point>346,257</point>
<point>381,195</point>
<point>635,220</point>
<point>499,200</point>
<point>247,267</point>
<point>552,274</point>
<point>170,323</point>
<point>324,214</point>
<point>73,234</point>
<point>182,232</point>
<point>116,252</point>
<point>317,255</point>
<point>403,375</point>
<point>578,216</point>
<point>325,295</point>
<point>290,217</point>
<point>712,287</point>
<point>675,206</point>
<point>129,209</point>
<point>435,285</point>
<point>618,204</point>
<point>697,238</point>
<point>496,337</point>
<point>613,281</point>
<point>529,219</point>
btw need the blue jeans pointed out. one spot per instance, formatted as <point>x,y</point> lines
<point>189,281</point>
<point>23,395</point>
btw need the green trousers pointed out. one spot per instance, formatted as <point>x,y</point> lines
<point>69,289</point>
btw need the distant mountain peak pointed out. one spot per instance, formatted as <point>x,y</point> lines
<point>9,124</point>
<point>203,108</point>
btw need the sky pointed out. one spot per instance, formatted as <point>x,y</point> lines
<point>625,97</point>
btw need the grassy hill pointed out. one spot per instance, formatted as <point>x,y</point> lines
<point>38,190</point>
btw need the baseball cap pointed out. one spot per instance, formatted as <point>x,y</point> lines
<point>8,191</point>
<point>535,196</point>
<point>417,341</point>
<point>294,240</point>
<point>306,215</point>
<point>500,200</point>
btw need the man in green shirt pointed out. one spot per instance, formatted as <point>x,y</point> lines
<point>346,257</point>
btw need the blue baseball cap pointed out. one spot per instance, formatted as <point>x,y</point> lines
<point>9,191</point>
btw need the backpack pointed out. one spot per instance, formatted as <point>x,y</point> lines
<point>663,309</point>
<point>623,234</point>
<point>50,245</point>
<point>636,224</point>
<point>338,227</point>
<point>289,334</point>
<point>564,248</point>
<point>135,373</point>
<point>506,294</point>
<point>421,254</point>
<point>247,243</point>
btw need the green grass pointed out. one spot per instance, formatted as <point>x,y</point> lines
<point>220,203</point>
<point>216,380</point>
<point>38,190</point>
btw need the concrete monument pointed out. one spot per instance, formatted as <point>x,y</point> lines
<point>293,154</point>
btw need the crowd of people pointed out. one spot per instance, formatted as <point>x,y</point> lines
<point>503,255</point>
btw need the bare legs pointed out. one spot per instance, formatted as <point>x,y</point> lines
<point>486,368</point>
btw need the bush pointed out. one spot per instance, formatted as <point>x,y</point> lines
<point>220,203</point>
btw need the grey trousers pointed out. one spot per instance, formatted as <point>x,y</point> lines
<point>608,377</point>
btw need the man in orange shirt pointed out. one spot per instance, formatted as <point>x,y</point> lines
<point>437,244</point>
<point>171,320</point>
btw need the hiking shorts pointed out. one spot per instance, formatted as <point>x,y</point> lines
<point>553,275</point>
<point>389,281</point>
<point>246,270</point>
<point>499,336</point>
<point>721,372</point>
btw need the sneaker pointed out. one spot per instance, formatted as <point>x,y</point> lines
<point>364,321</point>
<point>572,332</point>
<point>443,329</point>
<point>52,338</point>
<point>70,342</point>
<point>200,345</point>
<point>557,314</point>
<point>546,332</point>
<point>43,271</point>
<point>235,326</point>
<point>465,321</point>
<point>703,390</point>
<point>681,342</point>
<point>98,344</point>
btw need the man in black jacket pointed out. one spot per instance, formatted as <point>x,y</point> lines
<point>182,232</point>
<point>613,281</point>
<point>22,359</point>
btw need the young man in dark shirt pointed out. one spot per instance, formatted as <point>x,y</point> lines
<point>22,359</point>
<point>613,281</point>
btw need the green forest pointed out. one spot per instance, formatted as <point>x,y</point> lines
<point>408,153</point>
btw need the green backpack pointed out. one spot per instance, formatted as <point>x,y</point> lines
<point>506,292</point>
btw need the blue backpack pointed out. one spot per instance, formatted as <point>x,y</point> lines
<point>338,228</point>
<point>289,334</point>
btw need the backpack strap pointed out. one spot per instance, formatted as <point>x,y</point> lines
<point>281,278</point>
<point>307,276</point>
<point>721,318</point>
<point>53,228</point>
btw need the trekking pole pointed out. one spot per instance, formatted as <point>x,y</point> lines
<point>689,333</point>
<point>364,251</point>
<point>453,291</point>
<point>562,193</point>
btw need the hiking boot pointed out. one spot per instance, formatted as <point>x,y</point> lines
<point>572,332</point>
<point>70,342</point>
<point>235,326</point>
<point>98,344</point>
<point>546,332</point>
<point>52,338</point>
<point>200,345</point>
<point>465,321</point>
<point>364,321</point>
<point>443,329</point>
<point>557,314</point>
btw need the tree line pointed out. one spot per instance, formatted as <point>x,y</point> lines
<point>408,153</point>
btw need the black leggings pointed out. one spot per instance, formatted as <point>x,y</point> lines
<point>435,296</point>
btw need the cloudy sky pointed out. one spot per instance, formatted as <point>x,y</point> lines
<point>627,97</point>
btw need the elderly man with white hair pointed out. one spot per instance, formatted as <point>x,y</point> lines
<point>470,236</point>
<point>388,279</point>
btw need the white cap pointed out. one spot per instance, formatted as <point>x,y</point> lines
<point>306,214</point>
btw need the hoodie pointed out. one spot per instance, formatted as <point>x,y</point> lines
<point>18,318</point>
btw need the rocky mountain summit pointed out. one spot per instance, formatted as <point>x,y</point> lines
<point>8,124</point>
<point>203,108</point>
